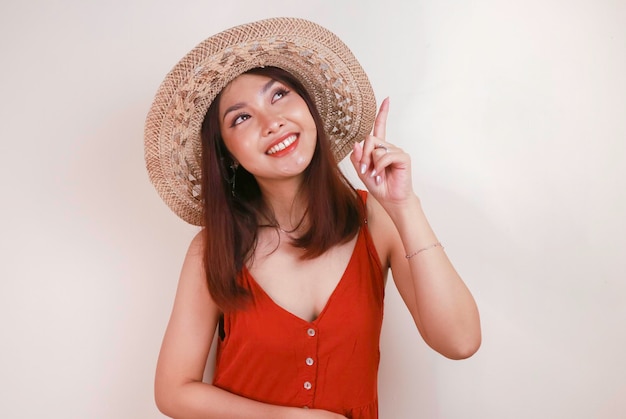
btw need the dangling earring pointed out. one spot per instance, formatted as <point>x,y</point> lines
<point>234,165</point>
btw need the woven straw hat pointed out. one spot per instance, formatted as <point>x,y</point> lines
<point>315,56</point>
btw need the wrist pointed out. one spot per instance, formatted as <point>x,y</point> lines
<point>405,211</point>
<point>412,225</point>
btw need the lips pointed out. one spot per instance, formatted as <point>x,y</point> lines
<point>282,144</point>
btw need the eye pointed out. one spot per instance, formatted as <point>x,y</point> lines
<point>239,119</point>
<point>279,93</point>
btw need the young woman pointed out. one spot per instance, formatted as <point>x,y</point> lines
<point>291,262</point>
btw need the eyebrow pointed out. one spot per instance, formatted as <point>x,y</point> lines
<point>267,86</point>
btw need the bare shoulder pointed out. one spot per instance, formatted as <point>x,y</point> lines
<point>196,246</point>
<point>194,257</point>
<point>192,296</point>
<point>193,267</point>
<point>382,229</point>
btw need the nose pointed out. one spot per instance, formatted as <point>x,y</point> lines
<point>272,123</point>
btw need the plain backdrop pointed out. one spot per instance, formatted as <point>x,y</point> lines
<point>514,113</point>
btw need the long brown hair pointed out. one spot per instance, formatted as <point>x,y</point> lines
<point>233,205</point>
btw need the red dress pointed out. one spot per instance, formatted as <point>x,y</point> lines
<point>270,355</point>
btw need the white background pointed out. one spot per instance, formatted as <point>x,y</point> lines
<point>514,113</point>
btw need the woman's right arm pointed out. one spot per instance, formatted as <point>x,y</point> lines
<point>179,390</point>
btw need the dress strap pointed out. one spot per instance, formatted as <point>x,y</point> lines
<point>363,196</point>
<point>366,232</point>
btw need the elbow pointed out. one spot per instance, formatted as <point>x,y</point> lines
<point>162,402</point>
<point>164,398</point>
<point>464,347</point>
<point>456,346</point>
<point>463,350</point>
<point>175,398</point>
<point>465,341</point>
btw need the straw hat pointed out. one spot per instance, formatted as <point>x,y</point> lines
<point>315,56</point>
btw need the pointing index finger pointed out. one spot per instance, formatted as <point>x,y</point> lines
<point>380,124</point>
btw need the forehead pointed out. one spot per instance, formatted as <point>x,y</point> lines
<point>243,86</point>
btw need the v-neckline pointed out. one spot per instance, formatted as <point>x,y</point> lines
<point>339,285</point>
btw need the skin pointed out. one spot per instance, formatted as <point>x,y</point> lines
<point>256,113</point>
<point>254,117</point>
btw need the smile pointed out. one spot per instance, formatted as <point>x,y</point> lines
<point>282,145</point>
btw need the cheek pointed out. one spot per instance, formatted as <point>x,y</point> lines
<point>233,149</point>
<point>235,139</point>
<point>306,120</point>
<point>229,144</point>
<point>311,122</point>
<point>242,149</point>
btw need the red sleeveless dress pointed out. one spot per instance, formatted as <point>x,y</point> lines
<point>270,355</point>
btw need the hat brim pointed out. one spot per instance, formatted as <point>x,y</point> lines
<point>315,56</point>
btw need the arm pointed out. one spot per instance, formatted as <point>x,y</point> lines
<point>179,390</point>
<point>442,307</point>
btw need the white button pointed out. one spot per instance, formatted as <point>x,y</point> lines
<point>309,361</point>
<point>311,332</point>
<point>307,385</point>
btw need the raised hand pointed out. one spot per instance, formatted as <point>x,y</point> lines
<point>384,168</point>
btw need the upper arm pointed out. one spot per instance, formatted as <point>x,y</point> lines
<point>191,327</point>
<point>391,250</point>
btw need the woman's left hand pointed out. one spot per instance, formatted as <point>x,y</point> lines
<point>382,167</point>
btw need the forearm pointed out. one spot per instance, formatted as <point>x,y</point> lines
<point>205,401</point>
<point>445,310</point>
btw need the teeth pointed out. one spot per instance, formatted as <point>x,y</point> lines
<point>282,145</point>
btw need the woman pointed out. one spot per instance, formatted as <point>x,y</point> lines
<point>291,263</point>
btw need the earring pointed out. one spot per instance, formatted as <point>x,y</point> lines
<point>234,165</point>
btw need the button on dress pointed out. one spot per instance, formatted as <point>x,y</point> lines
<point>270,355</point>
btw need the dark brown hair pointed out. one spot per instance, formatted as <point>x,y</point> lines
<point>232,215</point>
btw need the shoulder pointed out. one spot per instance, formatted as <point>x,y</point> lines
<point>196,246</point>
<point>375,212</point>
<point>192,296</point>
<point>193,265</point>
<point>382,229</point>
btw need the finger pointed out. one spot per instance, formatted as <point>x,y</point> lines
<point>367,149</point>
<point>378,134</point>
<point>380,124</point>
<point>380,162</point>
<point>396,160</point>
<point>355,156</point>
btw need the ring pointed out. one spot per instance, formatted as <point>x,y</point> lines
<point>382,146</point>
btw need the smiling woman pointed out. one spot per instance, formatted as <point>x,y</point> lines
<point>291,262</point>
<point>239,141</point>
<point>271,121</point>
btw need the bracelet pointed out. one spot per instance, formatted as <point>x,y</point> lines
<point>424,248</point>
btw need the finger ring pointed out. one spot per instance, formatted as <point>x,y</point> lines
<point>382,146</point>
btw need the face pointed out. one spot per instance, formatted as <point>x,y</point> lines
<point>267,127</point>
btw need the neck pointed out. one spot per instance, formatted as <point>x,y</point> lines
<point>287,205</point>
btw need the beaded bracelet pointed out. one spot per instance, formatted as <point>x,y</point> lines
<point>424,248</point>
